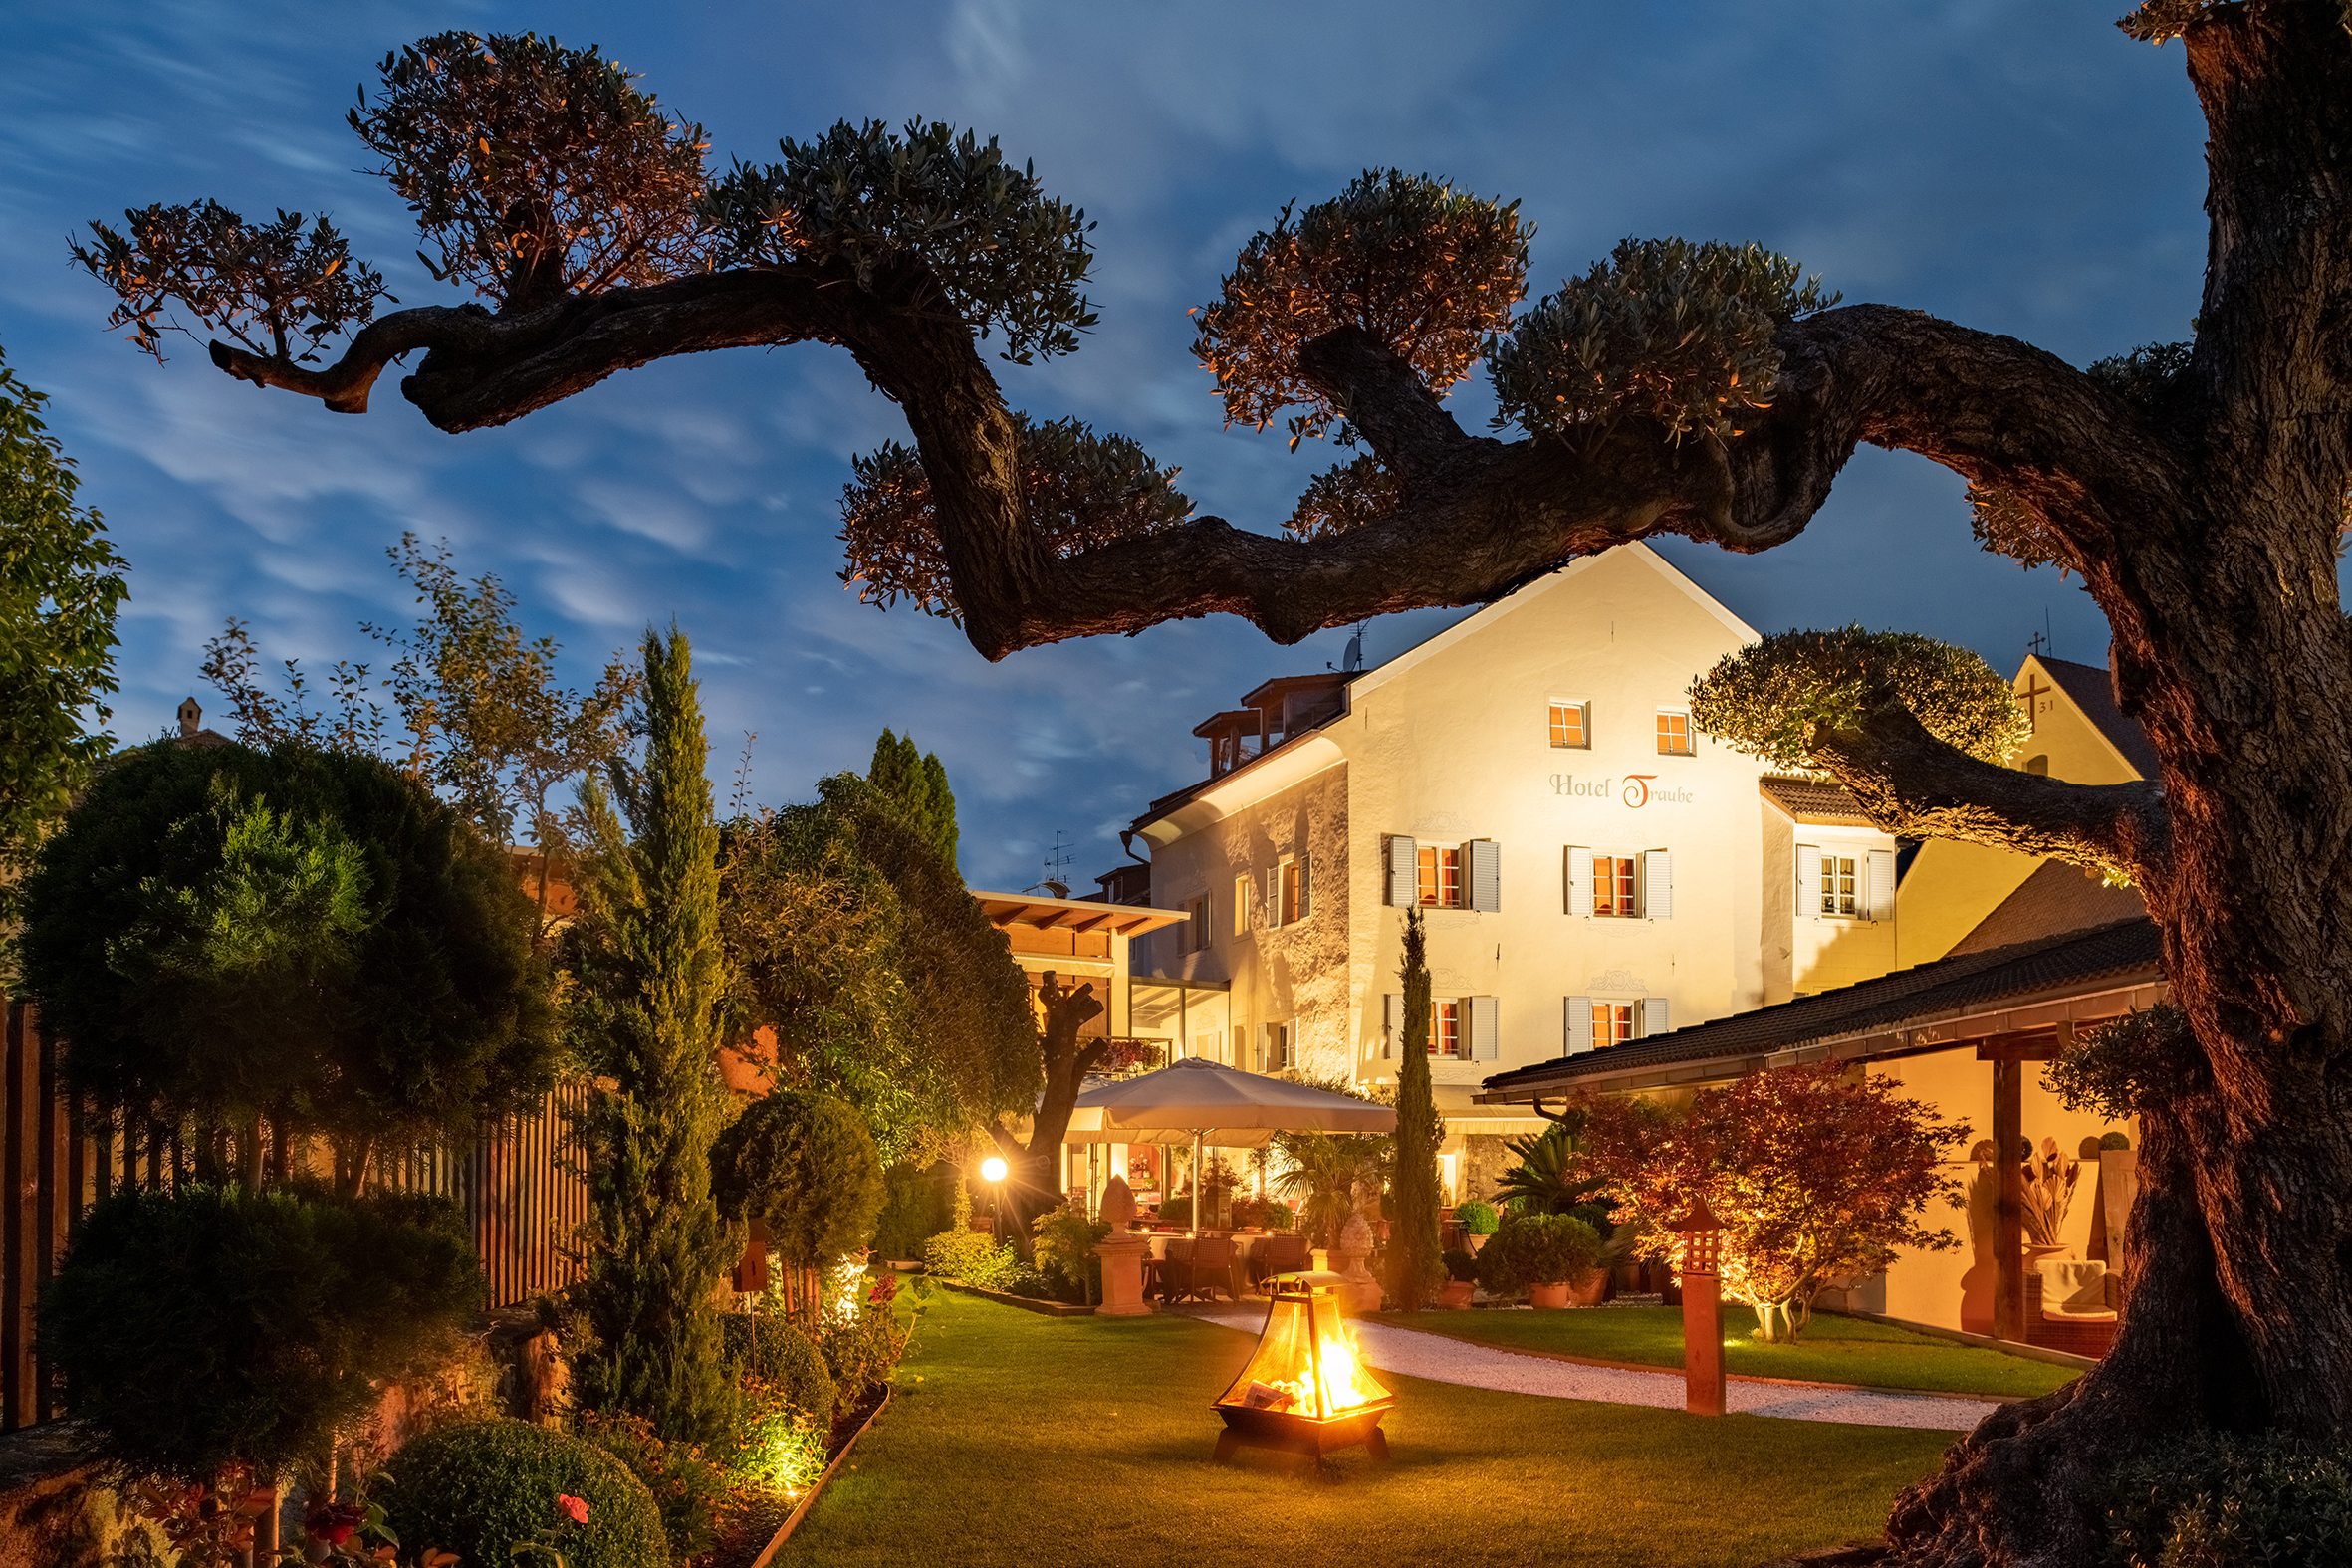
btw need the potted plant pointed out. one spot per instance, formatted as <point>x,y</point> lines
<point>1546,1255</point>
<point>1461,1279</point>
<point>1477,1220</point>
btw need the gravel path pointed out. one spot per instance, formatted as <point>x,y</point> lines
<point>1444,1360</point>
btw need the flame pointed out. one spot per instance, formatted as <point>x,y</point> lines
<point>1343,1384</point>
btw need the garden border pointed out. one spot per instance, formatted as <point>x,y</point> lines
<point>1026,1303</point>
<point>2008,1347</point>
<point>792,1520</point>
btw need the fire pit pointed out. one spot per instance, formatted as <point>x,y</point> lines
<point>1305,1390</point>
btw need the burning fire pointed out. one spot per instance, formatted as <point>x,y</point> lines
<point>1344,1385</point>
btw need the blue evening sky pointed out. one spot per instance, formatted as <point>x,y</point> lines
<point>2011,165</point>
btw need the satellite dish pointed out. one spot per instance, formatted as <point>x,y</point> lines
<point>1353,659</point>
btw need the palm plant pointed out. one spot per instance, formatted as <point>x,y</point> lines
<point>1319,1172</point>
<point>1547,1180</point>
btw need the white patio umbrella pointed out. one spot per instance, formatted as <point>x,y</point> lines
<point>1201,1102</point>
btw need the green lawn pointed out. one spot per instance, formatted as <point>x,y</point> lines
<point>1833,1349</point>
<point>1016,1438</point>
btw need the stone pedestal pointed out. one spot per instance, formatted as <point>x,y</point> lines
<point>1122,1255</point>
<point>1361,1292</point>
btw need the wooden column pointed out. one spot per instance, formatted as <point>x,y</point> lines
<point>2008,1230</point>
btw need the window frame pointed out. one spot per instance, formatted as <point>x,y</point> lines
<point>1287,881</point>
<point>1826,880</point>
<point>1629,906</point>
<point>1680,717</point>
<point>1607,1013</point>
<point>1584,712</point>
<point>1445,1028</point>
<point>1430,864</point>
<point>1241,904</point>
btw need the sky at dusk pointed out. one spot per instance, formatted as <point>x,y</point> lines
<point>2016,166</point>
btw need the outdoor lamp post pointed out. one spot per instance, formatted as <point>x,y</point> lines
<point>992,1170</point>
<point>1702,1309</point>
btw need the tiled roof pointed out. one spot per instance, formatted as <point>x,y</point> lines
<point>2056,898</point>
<point>2091,690</point>
<point>1813,800</point>
<point>1963,979</point>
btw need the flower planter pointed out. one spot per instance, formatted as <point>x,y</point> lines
<point>1471,1243</point>
<point>1592,1291</point>
<point>1550,1297</point>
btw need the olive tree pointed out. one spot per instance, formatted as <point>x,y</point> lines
<point>2199,490</point>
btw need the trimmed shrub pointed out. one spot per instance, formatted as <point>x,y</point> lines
<point>212,1325</point>
<point>689,1491</point>
<point>1537,1249</point>
<point>1066,1255</point>
<point>1477,1218</point>
<point>486,1488</point>
<point>916,1203</point>
<point>2215,1501</point>
<point>805,1164</point>
<point>771,1351</point>
<point>862,1353</point>
<point>1460,1266</point>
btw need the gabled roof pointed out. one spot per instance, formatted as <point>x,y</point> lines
<point>1813,800</point>
<point>1953,984</point>
<point>2090,688</point>
<point>1073,913</point>
<point>2055,899</point>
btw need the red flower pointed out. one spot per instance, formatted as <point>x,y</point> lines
<point>333,1524</point>
<point>577,1508</point>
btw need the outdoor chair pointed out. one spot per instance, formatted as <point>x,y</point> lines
<point>1212,1269</point>
<point>1277,1254</point>
<point>1175,1272</point>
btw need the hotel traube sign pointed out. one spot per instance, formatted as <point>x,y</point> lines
<point>1635,790</point>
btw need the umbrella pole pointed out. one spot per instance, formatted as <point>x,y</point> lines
<point>1199,1194</point>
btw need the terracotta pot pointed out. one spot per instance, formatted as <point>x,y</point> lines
<point>1471,1243</point>
<point>1456,1294</point>
<point>1549,1297</point>
<point>1591,1291</point>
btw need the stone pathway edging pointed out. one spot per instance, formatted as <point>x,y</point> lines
<point>1413,1353</point>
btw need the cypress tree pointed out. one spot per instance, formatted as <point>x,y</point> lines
<point>1417,1262</point>
<point>915,782</point>
<point>650,989</point>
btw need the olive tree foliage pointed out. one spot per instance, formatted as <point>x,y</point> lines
<point>60,585</point>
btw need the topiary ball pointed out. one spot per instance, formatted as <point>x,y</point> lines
<point>484,1487</point>
<point>775,1353</point>
<point>805,1164</point>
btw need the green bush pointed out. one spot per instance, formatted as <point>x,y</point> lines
<point>2114,1140</point>
<point>805,1164</point>
<point>916,1203</point>
<point>486,1488</point>
<point>1460,1266</point>
<point>1537,1249</point>
<point>766,1348</point>
<point>1176,1212</point>
<point>2213,1501</point>
<point>779,1448</point>
<point>213,1325</point>
<point>1477,1218</point>
<point>863,1353</point>
<point>1066,1255</point>
<point>689,1491</point>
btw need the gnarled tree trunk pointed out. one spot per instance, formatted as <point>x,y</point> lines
<point>1030,1186</point>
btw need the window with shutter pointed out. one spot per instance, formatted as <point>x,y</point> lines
<point>1882,884</point>
<point>1404,871</point>
<point>1241,906</point>
<point>1274,896</point>
<point>1657,884</point>
<point>1842,890</point>
<point>1578,1024</point>
<point>1613,879</point>
<point>1305,888</point>
<point>1483,858</point>
<point>1439,878</point>
<point>1291,898</point>
<point>1612,1023</point>
<point>1486,1039</point>
<point>1445,1027</point>
<point>1808,881</point>
<point>1653,1016</point>
<point>1579,881</point>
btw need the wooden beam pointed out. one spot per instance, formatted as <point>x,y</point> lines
<point>2009,1213</point>
<point>2028,1045</point>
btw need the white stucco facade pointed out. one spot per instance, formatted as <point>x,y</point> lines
<point>1606,872</point>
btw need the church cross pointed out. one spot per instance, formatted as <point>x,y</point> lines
<point>2034,689</point>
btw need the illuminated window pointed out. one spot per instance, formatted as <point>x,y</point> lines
<point>1441,876</point>
<point>1291,870</point>
<point>1241,906</point>
<point>1837,885</point>
<point>1612,1023</point>
<point>1674,734</point>
<point>1445,1028</point>
<point>1569,724</point>
<point>1612,885</point>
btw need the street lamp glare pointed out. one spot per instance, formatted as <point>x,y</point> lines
<point>992,1168</point>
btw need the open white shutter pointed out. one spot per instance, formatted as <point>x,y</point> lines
<point>1486,1039</point>
<point>1808,881</point>
<point>1578,1024</point>
<point>1404,871</point>
<point>1483,859</point>
<point>1392,1024</point>
<point>1657,884</point>
<point>1653,1016</point>
<point>1306,889</point>
<point>1579,876</point>
<point>1882,884</point>
<point>1274,895</point>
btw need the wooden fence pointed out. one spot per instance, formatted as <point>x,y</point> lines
<point>523,1196</point>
